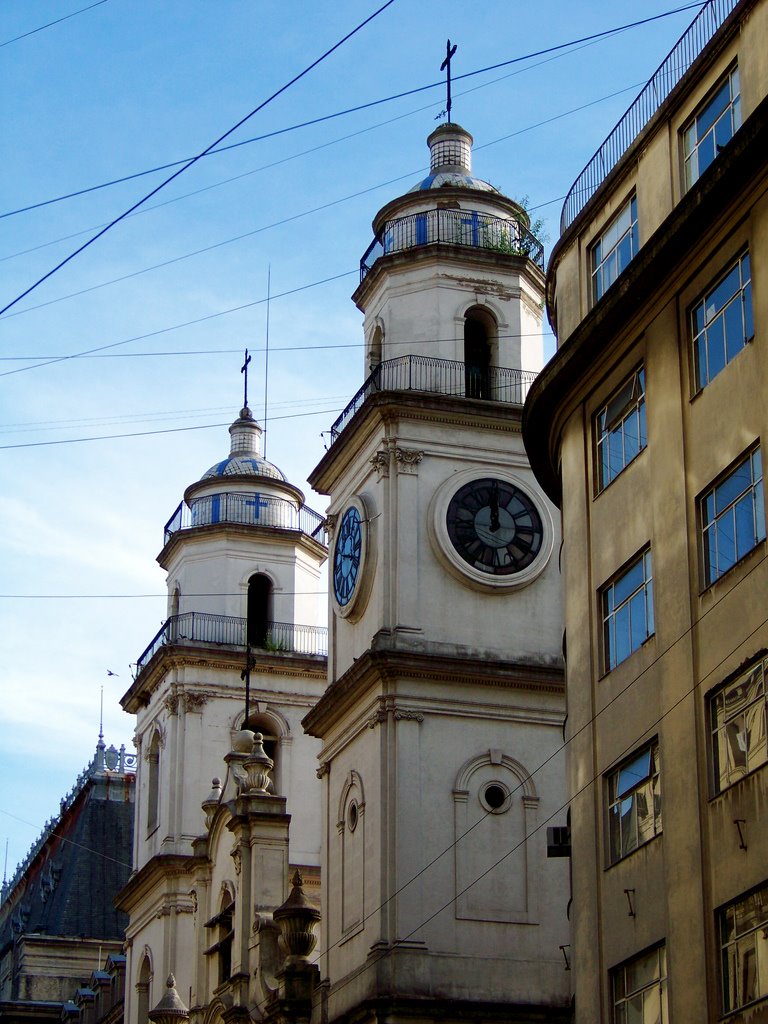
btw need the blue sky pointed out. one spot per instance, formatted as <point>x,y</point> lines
<point>129,85</point>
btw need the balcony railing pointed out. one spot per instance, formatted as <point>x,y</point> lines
<point>439,377</point>
<point>247,509</point>
<point>668,74</point>
<point>230,630</point>
<point>453,227</point>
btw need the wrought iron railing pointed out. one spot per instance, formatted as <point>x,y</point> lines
<point>440,377</point>
<point>248,509</point>
<point>665,78</point>
<point>453,227</point>
<point>231,630</point>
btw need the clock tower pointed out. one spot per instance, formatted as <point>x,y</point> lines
<point>441,727</point>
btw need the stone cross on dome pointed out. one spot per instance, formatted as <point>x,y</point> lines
<point>446,66</point>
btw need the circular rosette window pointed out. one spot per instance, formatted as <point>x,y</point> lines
<point>491,530</point>
<point>350,569</point>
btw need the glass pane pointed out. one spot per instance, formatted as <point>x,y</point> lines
<point>722,292</point>
<point>734,329</point>
<point>657,804</point>
<point>616,454</point>
<point>689,138</point>
<point>632,435</point>
<point>638,631</point>
<point>642,429</point>
<point>643,971</point>
<point>734,485</point>
<point>715,107</point>
<point>706,152</point>
<point>747,961</point>
<point>614,828</point>
<point>699,319</point>
<point>652,1006</point>
<point>629,582</point>
<point>635,1010</point>
<point>700,361</point>
<point>715,336</point>
<point>723,131</point>
<point>636,771</point>
<point>761,956</point>
<point>623,650</point>
<point>749,326</point>
<point>726,546</point>
<point>624,253</point>
<point>745,525</point>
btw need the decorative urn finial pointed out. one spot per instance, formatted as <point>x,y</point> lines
<point>258,766</point>
<point>170,1009</point>
<point>296,919</point>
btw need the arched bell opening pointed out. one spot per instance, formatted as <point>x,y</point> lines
<point>480,339</point>
<point>259,609</point>
<point>376,348</point>
<point>153,784</point>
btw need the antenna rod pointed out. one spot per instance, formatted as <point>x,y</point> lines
<point>101,714</point>
<point>266,360</point>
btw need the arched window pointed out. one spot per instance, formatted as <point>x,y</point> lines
<point>479,338</point>
<point>142,990</point>
<point>259,609</point>
<point>153,784</point>
<point>376,348</point>
<point>176,600</point>
<point>222,928</point>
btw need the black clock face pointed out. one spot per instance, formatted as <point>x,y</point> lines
<point>494,526</point>
<point>346,556</point>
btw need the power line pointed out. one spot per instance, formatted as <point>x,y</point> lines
<point>211,151</point>
<point>199,156</point>
<point>315,149</point>
<point>594,778</point>
<point>50,24</point>
<point>305,213</point>
<point>176,327</point>
<point>154,433</point>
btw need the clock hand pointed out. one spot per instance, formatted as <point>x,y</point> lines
<point>494,524</point>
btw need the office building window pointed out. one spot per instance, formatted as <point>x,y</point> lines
<point>743,928</point>
<point>620,428</point>
<point>640,989</point>
<point>627,607</point>
<point>739,715</point>
<point>712,128</point>
<point>721,323</point>
<point>612,252</point>
<point>634,802</point>
<point>733,517</point>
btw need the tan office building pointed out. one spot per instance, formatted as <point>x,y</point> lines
<point>649,428</point>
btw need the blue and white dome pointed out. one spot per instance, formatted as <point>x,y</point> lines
<point>450,162</point>
<point>245,457</point>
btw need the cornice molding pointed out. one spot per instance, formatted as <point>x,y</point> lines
<point>393,666</point>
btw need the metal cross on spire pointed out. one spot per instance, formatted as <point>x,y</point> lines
<point>244,370</point>
<point>446,66</point>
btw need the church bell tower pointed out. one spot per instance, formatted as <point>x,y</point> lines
<point>441,725</point>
